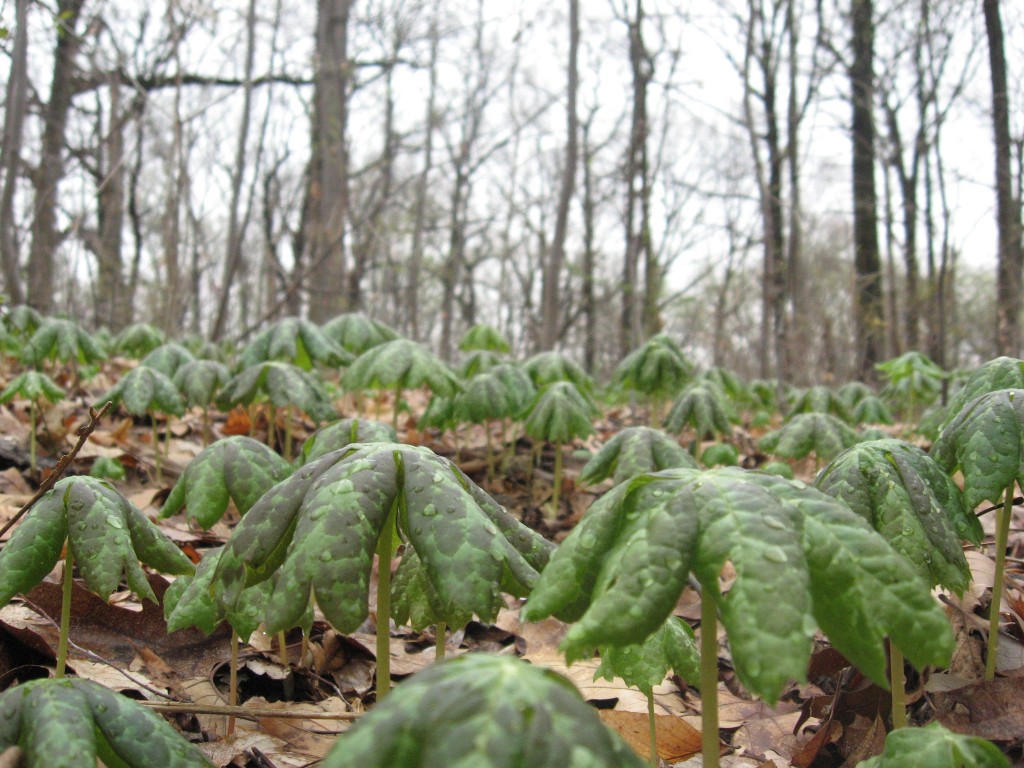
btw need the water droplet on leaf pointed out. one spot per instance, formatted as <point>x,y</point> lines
<point>775,555</point>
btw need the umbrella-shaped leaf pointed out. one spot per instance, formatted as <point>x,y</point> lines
<point>484,337</point>
<point>484,398</point>
<point>401,364</point>
<point>518,383</point>
<point>34,386</point>
<point>108,536</point>
<point>480,361</point>
<point>854,391</point>
<point>145,390</point>
<point>23,318</point>
<point>907,498</point>
<point>821,400</point>
<point>63,340</point>
<point>1000,373</point>
<point>321,526</point>
<point>343,433</point>
<point>728,382</point>
<point>871,410</point>
<point>283,384</point>
<point>357,333</point>
<point>644,665</point>
<point>138,340</point>
<point>483,711</point>
<point>548,367</point>
<point>703,407</point>
<point>633,451</point>
<point>913,380</point>
<point>439,414</point>
<point>415,601</point>
<point>296,341</point>
<point>236,468</point>
<point>936,747</point>
<point>801,558</point>
<point>720,455</point>
<point>805,433</point>
<point>199,381</point>
<point>560,412</point>
<point>657,368</point>
<point>62,723</point>
<point>168,358</point>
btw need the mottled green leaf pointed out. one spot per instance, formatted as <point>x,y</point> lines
<point>657,368</point>
<point>138,340</point>
<point>907,498</point>
<point>486,712</point>
<point>485,398</point>
<point>701,406</point>
<point>144,391</point>
<point>168,359</point>
<point>484,337</point>
<point>996,374</point>
<point>357,333</point>
<point>34,547</point>
<point>236,468</point>
<point>805,433</point>
<point>63,340</point>
<point>34,386</point>
<point>561,412</point>
<point>819,399</point>
<point>632,451</point>
<point>414,600</point>
<point>480,361</point>
<point>645,665</point>
<point>401,364</point>
<point>984,441</point>
<point>871,410</point>
<point>200,381</point>
<point>294,340</point>
<point>936,747</point>
<point>801,558</point>
<point>283,384</point>
<point>343,433</point>
<point>548,367</point>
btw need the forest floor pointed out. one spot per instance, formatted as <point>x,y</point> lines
<point>291,713</point>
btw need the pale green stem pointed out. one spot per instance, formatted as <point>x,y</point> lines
<point>32,436</point>
<point>385,546</point>
<point>557,488</point>
<point>233,680</point>
<point>282,643</point>
<point>1002,534</point>
<point>653,728</point>
<point>157,454</point>
<point>271,426</point>
<point>490,451</point>
<point>287,436</point>
<point>65,610</point>
<point>709,679</point>
<point>440,639</point>
<point>898,681</point>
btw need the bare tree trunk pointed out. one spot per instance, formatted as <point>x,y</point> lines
<point>797,334</point>
<point>869,318</point>
<point>412,290</point>
<point>329,179</point>
<point>10,153</point>
<point>236,226</point>
<point>170,224</point>
<point>551,304</point>
<point>1008,286</point>
<point>45,237</point>
<point>589,257</point>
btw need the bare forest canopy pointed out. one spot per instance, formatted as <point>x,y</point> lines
<point>794,189</point>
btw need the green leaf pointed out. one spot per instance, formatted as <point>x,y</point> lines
<point>484,337</point>
<point>485,398</point>
<point>871,410</point>
<point>482,711</point>
<point>560,412</point>
<point>168,359</point>
<point>911,501</point>
<point>321,527</point>
<point>66,723</point>
<point>296,341</point>
<point>343,433</point>
<point>414,600</point>
<point>138,340</point>
<point>645,665</point>
<point>936,747</point>
<point>548,367</point>
<point>200,381</point>
<point>518,383</point>
<point>1000,373</point>
<point>720,455</point>
<point>34,386</point>
<point>105,467</point>
<point>632,451</point>
<point>34,547</point>
<point>480,361</point>
<point>283,384</point>
<point>728,383</point>
<point>236,468</point>
<point>984,441</point>
<point>702,406</point>
<point>144,391</point>
<point>63,340</point>
<point>658,368</point>
<point>821,400</point>
<point>854,391</point>
<point>358,333</point>
<point>401,364</point>
<point>801,558</point>
<point>439,414</point>
<point>819,433</point>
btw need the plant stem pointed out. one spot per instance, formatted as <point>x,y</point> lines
<point>32,436</point>
<point>156,451</point>
<point>287,436</point>
<point>282,643</point>
<point>556,490</point>
<point>898,682</point>
<point>490,451</point>
<point>271,426</point>
<point>65,610</point>
<point>1002,534</point>
<point>206,426</point>
<point>440,639</point>
<point>233,680</point>
<point>653,728</point>
<point>709,679</point>
<point>385,545</point>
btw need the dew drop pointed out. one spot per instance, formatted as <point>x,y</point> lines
<point>775,555</point>
<point>325,556</point>
<point>907,530</point>
<point>317,513</point>
<point>438,477</point>
<point>429,510</point>
<point>774,522</point>
<point>588,540</point>
<point>81,526</point>
<point>77,506</point>
<point>114,522</point>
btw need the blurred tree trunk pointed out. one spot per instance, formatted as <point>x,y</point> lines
<point>45,236</point>
<point>326,277</point>
<point>1008,287</point>
<point>551,302</point>
<point>869,318</point>
<point>10,154</point>
<point>589,205</point>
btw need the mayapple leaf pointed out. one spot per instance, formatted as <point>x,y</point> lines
<point>322,525</point>
<point>657,368</point>
<point>548,367</point>
<point>801,557</point>
<point>401,364</point>
<point>854,391</point>
<point>936,747</point>
<point>138,340</point>
<point>561,412</point>
<point>145,390</point>
<point>518,383</point>
<point>871,410</point>
<point>236,468</point>
<point>633,451</point>
<point>294,340</point>
<point>484,398</point>
<point>820,399</point>
<point>984,441</point>
<point>283,384</point>
<point>482,711</point>
<point>822,434</point>
<point>343,433</point>
<point>484,337</point>
<point>34,547</point>
<point>996,374</point>
<point>907,498</point>
<point>481,361</point>
<point>414,600</point>
<point>702,406</point>
<point>728,383</point>
<point>357,333</point>
<point>34,386</point>
<point>200,381</point>
<point>168,359</point>
<point>63,340</point>
<point>644,665</point>
<point>68,723</point>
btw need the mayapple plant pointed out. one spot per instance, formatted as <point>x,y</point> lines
<point>658,370</point>
<point>106,537</point>
<point>296,341</point>
<point>321,527</point>
<point>822,434</point>
<point>633,451</point>
<point>199,383</point>
<point>802,560</point>
<point>342,434</point>
<point>703,406</point>
<point>34,386</point>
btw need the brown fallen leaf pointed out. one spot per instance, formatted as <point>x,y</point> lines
<point>676,739</point>
<point>992,709</point>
